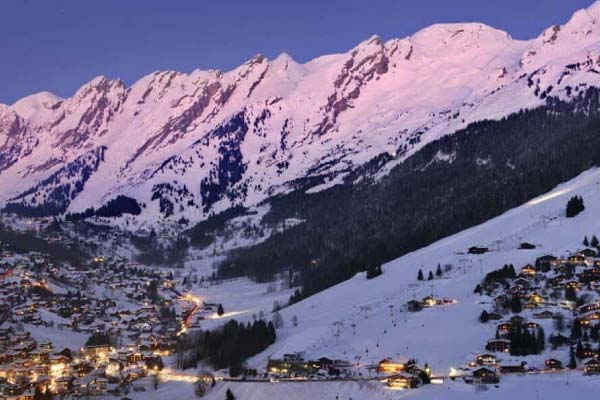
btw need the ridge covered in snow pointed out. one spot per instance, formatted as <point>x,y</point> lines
<point>189,145</point>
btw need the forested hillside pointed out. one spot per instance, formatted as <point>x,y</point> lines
<point>451,184</point>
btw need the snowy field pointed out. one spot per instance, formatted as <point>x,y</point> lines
<point>242,298</point>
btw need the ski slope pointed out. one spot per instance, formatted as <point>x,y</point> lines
<point>444,336</point>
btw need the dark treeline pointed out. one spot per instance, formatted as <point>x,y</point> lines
<point>203,233</point>
<point>227,347</point>
<point>114,208</point>
<point>496,165</point>
<point>574,206</point>
<point>154,252</point>
<point>23,242</point>
<point>506,272</point>
<point>523,342</point>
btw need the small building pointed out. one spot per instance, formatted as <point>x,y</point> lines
<point>498,345</point>
<point>478,250</point>
<point>553,364</point>
<point>513,368</point>
<point>403,381</point>
<point>388,366</point>
<point>544,315</point>
<point>528,271</point>
<point>485,375</point>
<point>592,367</point>
<point>486,359</point>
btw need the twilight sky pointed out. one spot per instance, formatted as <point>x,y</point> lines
<point>57,45</point>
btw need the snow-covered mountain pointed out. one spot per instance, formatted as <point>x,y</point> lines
<point>188,145</point>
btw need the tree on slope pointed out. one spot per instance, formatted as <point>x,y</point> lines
<point>420,276</point>
<point>229,395</point>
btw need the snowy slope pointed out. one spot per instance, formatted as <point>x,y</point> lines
<point>192,144</point>
<point>547,387</point>
<point>443,336</point>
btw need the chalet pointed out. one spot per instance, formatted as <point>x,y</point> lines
<point>544,315</point>
<point>96,350</point>
<point>63,384</point>
<point>289,367</point>
<point>528,271</point>
<point>576,259</point>
<point>567,304</point>
<point>513,368</point>
<point>388,366</point>
<point>498,345</point>
<point>485,375</point>
<point>414,306</point>
<point>526,246</point>
<point>403,381</point>
<point>532,325</point>
<point>537,298</point>
<point>588,352</point>
<point>573,285</point>
<point>589,307</point>
<point>545,261</point>
<point>587,253</point>
<point>553,364</point>
<point>530,305</point>
<point>486,359</point>
<point>524,283</point>
<point>517,320</point>
<point>592,367</point>
<point>478,250</point>
<point>505,328</point>
<point>501,299</point>
<point>413,369</point>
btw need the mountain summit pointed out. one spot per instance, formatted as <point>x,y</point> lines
<point>185,146</point>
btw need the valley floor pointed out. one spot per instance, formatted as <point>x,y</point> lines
<point>547,387</point>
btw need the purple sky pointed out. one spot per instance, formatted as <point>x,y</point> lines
<point>59,45</point>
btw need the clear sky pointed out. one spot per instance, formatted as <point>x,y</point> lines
<point>57,45</point>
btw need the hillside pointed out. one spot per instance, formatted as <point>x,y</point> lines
<point>446,336</point>
<point>191,145</point>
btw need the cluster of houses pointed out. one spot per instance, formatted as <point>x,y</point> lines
<point>392,373</point>
<point>140,307</point>
<point>559,293</point>
<point>28,366</point>
<point>294,365</point>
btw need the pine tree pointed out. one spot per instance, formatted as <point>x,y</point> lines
<point>594,242</point>
<point>438,271</point>
<point>579,350</point>
<point>585,242</point>
<point>572,362</point>
<point>574,206</point>
<point>570,294</point>
<point>540,340</point>
<point>515,305</point>
<point>594,333</point>
<point>420,275</point>
<point>484,317</point>
<point>220,310</point>
<point>430,277</point>
<point>229,395</point>
<point>576,329</point>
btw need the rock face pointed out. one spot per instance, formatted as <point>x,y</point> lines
<point>189,145</point>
